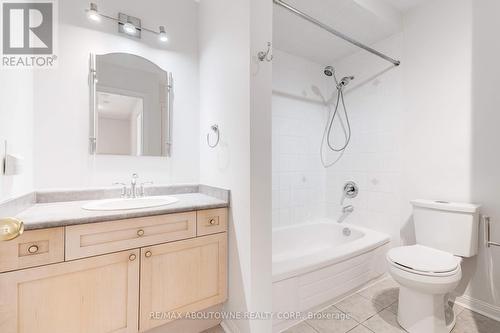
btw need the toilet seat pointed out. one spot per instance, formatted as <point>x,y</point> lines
<point>425,276</point>
<point>422,260</point>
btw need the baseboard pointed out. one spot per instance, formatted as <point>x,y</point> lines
<point>479,306</point>
<point>229,326</point>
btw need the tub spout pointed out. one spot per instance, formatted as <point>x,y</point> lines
<point>346,211</point>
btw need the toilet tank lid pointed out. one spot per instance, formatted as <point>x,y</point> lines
<point>446,205</point>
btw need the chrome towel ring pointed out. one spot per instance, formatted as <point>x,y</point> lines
<point>215,129</point>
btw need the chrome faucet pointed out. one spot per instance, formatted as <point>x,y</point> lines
<point>346,211</point>
<point>133,192</point>
<point>133,186</point>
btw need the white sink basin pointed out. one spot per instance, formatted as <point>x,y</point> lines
<point>129,203</point>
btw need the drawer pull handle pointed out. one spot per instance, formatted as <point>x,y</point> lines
<point>33,249</point>
<point>10,228</point>
<point>132,257</point>
<point>148,254</point>
<point>140,233</point>
<point>212,222</point>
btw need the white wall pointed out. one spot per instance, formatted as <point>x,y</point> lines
<point>484,270</point>
<point>300,91</point>
<point>16,126</point>
<point>437,91</point>
<point>61,96</point>
<point>235,94</point>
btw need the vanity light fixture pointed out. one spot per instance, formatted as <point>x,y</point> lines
<point>163,34</point>
<point>93,13</point>
<point>127,24</point>
<point>129,28</point>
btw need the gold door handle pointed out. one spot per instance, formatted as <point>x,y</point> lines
<point>33,249</point>
<point>10,228</point>
<point>148,254</point>
<point>140,233</point>
<point>132,257</point>
<point>212,222</point>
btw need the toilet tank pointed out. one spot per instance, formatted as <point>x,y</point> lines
<point>447,226</point>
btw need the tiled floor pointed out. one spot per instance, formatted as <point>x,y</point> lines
<point>374,309</point>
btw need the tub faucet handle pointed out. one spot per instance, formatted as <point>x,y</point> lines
<point>349,191</point>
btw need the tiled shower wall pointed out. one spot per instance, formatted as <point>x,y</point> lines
<point>298,121</point>
<point>302,189</point>
<point>375,105</point>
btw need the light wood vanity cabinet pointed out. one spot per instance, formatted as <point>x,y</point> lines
<point>90,295</point>
<point>211,221</point>
<point>182,276</point>
<point>87,240</point>
<point>33,248</point>
<point>110,288</point>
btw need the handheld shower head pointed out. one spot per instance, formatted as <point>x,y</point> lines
<point>329,71</point>
<point>345,81</point>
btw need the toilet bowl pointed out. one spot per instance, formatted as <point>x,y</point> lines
<point>425,276</point>
<point>445,232</point>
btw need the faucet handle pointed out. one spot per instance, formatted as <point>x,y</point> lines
<point>124,188</point>
<point>142,188</point>
<point>349,191</point>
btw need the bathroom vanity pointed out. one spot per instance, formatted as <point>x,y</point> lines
<point>121,271</point>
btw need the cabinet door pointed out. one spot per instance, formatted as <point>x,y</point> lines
<point>98,295</point>
<point>184,276</point>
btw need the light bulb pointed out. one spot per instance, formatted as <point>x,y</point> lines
<point>129,28</point>
<point>163,34</point>
<point>93,13</point>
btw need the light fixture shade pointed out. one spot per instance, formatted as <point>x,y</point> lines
<point>129,25</point>
<point>93,13</point>
<point>129,28</point>
<point>163,34</point>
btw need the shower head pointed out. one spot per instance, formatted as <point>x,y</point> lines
<point>329,70</point>
<point>345,81</point>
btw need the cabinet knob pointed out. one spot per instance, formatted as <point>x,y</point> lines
<point>148,254</point>
<point>212,222</point>
<point>33,249</point>
<point>140,233</point>
<point>132,257</point>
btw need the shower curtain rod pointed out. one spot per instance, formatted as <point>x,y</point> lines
<point>335,32</point>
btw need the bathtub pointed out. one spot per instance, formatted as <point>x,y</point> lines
<point>316,263</point>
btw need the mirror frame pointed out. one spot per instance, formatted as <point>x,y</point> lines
<point>93,133</point>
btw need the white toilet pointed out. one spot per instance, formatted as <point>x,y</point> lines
<point>426,272</point>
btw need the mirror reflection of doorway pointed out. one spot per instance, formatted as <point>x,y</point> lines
<point>119,124</point>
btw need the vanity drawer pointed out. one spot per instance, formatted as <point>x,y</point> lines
<point>98,238</point>
<point>211,221</point>
<point>32,248</point>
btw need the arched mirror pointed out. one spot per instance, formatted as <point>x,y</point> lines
<point>130,106</point>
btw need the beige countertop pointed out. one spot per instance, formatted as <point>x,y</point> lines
<point>60,214</point>
<point>40,214</point>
